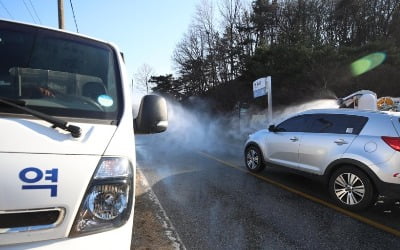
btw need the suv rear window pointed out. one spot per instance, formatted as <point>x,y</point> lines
<point>336,123</point>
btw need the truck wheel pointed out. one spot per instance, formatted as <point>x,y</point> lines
<point>351,188</point>
<point>254,159</point>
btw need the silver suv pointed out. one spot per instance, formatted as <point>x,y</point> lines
<point>356,150</point>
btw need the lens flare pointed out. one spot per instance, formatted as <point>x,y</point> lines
<point>367,63</point>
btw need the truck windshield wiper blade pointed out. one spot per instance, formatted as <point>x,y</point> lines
<point>57,123</point>
<point>15,101</point>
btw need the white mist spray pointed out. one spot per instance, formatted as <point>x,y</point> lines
<point>197,130</point>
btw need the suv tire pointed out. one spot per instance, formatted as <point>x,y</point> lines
<point>351,188</point>
<point>254,159</point>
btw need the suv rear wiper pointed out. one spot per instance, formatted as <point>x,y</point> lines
<point>57,123</point>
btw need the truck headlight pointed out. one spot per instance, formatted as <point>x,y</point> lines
<point>108,200</point>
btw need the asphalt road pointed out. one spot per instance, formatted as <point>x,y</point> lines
<point>214,203</point>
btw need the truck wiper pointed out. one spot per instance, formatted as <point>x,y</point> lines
<point>15,101</point>
<point>57,123</point>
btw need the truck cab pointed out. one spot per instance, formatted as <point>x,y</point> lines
<point>67,145</point>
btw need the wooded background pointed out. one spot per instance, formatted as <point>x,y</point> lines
<point>307,46</point>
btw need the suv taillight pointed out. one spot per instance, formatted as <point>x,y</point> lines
<point>393,142</point>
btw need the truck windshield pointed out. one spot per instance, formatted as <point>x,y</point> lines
<point>58,73</point>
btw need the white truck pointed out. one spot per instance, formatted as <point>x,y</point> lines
<point>67,148</point>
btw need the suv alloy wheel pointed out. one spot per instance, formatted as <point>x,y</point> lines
<point>351,188</point>
<point>254,159</point>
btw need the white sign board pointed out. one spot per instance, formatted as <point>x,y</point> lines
<point>260,86</point>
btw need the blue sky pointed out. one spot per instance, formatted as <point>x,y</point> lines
<point>147,31</point>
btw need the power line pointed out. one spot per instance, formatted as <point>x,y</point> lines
<point>30,13</point>
<point>4,7</point>
<point>34,11</point>
<point>73,13</point>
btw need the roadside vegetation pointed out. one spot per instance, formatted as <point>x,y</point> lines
<point>307,46</point>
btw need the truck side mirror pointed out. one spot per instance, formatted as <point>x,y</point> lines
<point>152,116</point>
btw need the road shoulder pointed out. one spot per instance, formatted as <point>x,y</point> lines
<point>152,227</point>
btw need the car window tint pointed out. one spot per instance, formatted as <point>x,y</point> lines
<point>338,124</point>
<point>294,124</point>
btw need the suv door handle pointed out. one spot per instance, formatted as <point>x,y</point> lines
<point>340,142</point>
<point>294,138</point>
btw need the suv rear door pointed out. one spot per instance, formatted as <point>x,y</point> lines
<point>327,139</point>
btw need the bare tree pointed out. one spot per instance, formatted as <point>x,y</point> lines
<point>230,12</point>
<point>204,23</point>
<point>190,59</point>
<point>143,76</point>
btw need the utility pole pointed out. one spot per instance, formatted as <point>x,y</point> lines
<point>61,14</point>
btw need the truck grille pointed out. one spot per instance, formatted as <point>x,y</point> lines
<point>30,220</point>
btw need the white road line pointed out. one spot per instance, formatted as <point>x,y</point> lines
<point>161,215</point>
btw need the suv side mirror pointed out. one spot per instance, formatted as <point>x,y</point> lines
<point>272,128</point>
<point>152,116</point>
